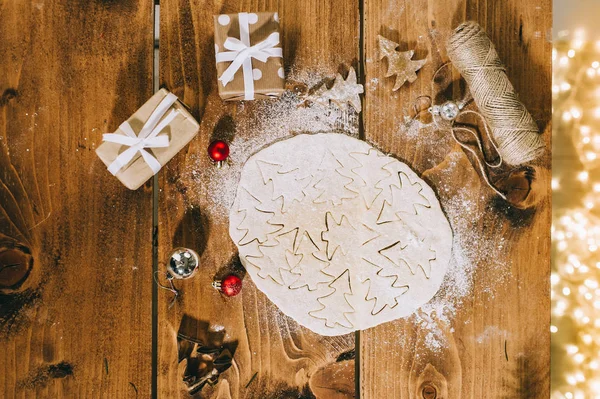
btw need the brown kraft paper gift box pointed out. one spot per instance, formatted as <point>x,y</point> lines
<point>180,131</point>
<point>267,77</point>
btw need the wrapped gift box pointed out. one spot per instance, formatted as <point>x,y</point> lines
<point>249,56</point>
<point>148,139</point>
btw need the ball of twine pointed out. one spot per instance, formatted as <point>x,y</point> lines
<point>514,130</point>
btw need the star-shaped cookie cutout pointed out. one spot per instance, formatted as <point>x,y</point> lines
<point>400,63</point>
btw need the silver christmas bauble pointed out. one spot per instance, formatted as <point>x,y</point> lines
<point>449,110</point>
<point>182,263</point>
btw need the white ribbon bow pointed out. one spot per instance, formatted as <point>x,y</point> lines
<point>241,55</point>
<point>148,137</point>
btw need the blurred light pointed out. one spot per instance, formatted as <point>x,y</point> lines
<point>555,184</point>
<point>575,277</point>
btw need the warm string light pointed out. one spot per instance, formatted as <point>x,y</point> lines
<point>575,286</point>
<point>575,294</point>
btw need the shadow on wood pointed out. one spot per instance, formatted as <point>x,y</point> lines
<point>192,231</point>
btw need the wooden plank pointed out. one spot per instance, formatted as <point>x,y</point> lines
<point>319,36</point>
<point>497,343</point>
<point>75,245</point>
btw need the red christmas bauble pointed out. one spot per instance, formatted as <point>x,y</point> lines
<point>231,285</point>
<point>218,150</point>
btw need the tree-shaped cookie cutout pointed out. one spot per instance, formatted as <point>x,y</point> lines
<point>310,267</point>
<point>295,218</point>
<point>342,93</point>
<point>400,63</point>
<point>384,291</point>
<point>344,236</point>
<point>335,304</point>
<point>331,184</point>
<point>371,170</point>
<point>386,184</point>
<point>285,184</point>
<point>275,259</point>
<point>252,216</point>
<point>415,254</point>
<point>405,199</point>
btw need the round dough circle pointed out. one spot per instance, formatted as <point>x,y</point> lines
<point>339,236</point>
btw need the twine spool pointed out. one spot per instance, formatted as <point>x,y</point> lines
<point>514,130</point>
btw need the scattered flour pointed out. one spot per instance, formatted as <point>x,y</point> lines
<point>257,126</point>
<point>489,333</point>
<point>262,123</point>
<point>472,252</point>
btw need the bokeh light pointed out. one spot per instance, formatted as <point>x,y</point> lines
<point>575,278</point>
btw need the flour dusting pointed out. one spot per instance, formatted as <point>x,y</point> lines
<point>258,125</point>
<point>474,254</point>
<point>471,252</point>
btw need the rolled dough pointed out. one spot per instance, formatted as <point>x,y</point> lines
<point>339,236</point>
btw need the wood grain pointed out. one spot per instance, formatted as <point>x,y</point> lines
<point>75,245</point>
<point>318,35</point>
<point>512,358</point>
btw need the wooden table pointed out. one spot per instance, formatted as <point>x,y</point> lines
<point>80,315</point>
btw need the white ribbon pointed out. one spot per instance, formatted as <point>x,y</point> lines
<point>241,55</point>
<point>148,137</point>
